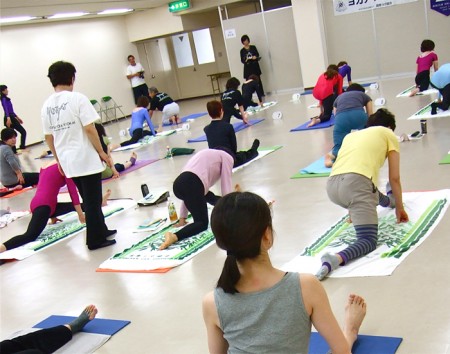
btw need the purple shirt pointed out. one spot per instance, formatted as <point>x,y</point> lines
<point>50,181</point>
<point>346,70</point>
<point>7,106</point>
<point>425,63</point>
<point>210,166</point>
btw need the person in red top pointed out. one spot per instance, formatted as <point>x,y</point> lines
<point>427,59</point>
<point>328,87</point>
<point>45,205</point>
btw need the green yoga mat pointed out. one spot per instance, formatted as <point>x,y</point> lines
<point>445,160</point>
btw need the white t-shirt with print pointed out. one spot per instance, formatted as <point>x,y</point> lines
<point>64,115</point>
<point>135,80</point>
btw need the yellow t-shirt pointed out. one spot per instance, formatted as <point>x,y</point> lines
<point>365,151</point>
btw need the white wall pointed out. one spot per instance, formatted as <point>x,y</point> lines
<point>310,39</point>
<point>280,63</point>
<point>98,48</point>
<point>385,42</point>
<point>153,23</point>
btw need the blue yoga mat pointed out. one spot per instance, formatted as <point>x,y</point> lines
<point>364,344</point>
<point>97,325</point>
<point>317,166</point>
<point>304,126</point>
<point>238,126</point>
<point>190,116</point>
<point>308,92</point>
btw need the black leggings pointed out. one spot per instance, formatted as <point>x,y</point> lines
<point>90,188</point>
<point>15,124</point>
<point>45,341</point>
<point>445,103</point>
<point>230,113</point>
<point>138,133</point>
<point>30,178</point>
<point>38,222</point>
<point>423,80</point>
<point>190,189</point>
<point>327,105</point>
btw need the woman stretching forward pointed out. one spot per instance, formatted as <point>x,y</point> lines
<point>257,308</point>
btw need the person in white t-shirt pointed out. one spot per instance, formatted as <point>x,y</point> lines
<point>68,120</point>
<point>135,73</point>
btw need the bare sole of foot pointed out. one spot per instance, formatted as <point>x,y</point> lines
<point>106,197</point>
<point>355,311</point>
<point>170,239</point>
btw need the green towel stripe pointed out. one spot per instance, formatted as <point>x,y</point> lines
<point>405,247</point>
<point>424,109</point>
<point>148,240</point>
<point>205,239</point>
<point>76,227</point>
<point>419,230</point>
<point>273,148</point>
<point>407,90</point>
<point>326,238</point>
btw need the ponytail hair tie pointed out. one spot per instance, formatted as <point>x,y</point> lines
<point>231,253</point>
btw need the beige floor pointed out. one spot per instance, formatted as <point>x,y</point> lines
<point>165,309</point>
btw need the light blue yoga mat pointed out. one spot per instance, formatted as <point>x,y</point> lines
<point>238,126</point>
<point>316,169</point>
<point>304,126</point>
<point>190,116</point>
<point>97,325</point>
<point>309,92</point>
<point>363,345</point>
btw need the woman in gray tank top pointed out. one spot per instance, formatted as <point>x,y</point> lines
<point>257,308</point>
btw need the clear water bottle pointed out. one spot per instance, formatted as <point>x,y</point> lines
<point>173,216</point>
<point>169,153</point>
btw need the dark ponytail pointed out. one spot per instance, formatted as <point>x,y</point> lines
<point>332,71</point>
<point>239,221</point>
<point>230,275</point>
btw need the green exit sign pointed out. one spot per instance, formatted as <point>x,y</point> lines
<point>180,5</point>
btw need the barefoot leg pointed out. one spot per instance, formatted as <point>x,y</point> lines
<point>355,311</point>
<point>170,239</point>
<point>105,197</point>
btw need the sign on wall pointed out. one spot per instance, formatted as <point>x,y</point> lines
<point>344,7</point>
<point>441,6</point>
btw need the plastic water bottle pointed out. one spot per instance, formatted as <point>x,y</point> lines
<point>173,216</point>
<point>169,153</point>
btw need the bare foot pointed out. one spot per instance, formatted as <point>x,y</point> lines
<point>245,118</point>
<point>2,248</point>
<point>16,188</point>
<point>105,197</point>
<point>329,160</point>
<point>414,92</point>
<point>54,220</point>
<point>313,122</point>
<point>134,155</point>
<point>355,311</point>
<point>237,188</point>
<point>170,239</point>
<point>91,311</point>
